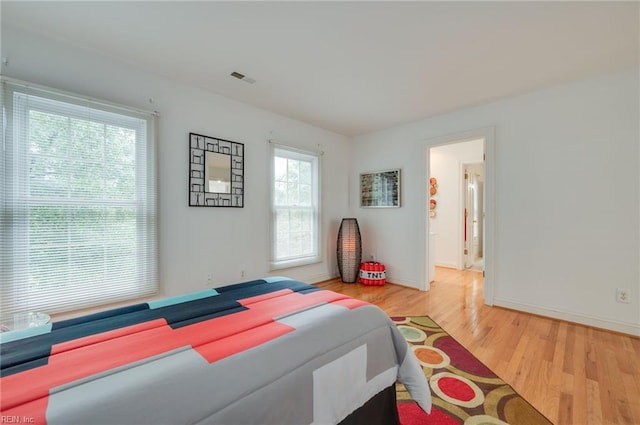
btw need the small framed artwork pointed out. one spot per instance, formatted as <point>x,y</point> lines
<point>380,189</point>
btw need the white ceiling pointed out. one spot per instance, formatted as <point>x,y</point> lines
<point>351,67</point>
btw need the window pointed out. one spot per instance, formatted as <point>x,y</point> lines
<point>295,208</point>
<point>78,223</point>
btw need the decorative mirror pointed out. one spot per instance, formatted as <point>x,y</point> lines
<point>216,172</point>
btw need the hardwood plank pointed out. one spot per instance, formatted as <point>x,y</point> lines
<point>579,378</point>
<point>572,373</point>
<point>594,410</point>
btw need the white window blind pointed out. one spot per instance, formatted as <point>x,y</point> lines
<point>78,222</point>
<point>295,207</point>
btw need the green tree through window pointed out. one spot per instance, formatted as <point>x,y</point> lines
<point>295,208</point>
<point>80,183</point>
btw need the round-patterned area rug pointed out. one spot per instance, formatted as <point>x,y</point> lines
<point>463,389</point>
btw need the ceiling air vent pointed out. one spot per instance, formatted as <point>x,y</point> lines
<point>243,77</point>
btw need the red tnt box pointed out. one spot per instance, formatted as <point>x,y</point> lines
<point>373,273</point>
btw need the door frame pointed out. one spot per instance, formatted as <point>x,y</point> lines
<point>488,134</point>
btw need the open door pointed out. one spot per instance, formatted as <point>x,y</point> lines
<point>473,215</point>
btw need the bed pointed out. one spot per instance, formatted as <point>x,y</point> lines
<point>269,351</point>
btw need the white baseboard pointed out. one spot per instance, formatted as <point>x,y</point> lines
<point>404,282</point>
<point>612,325</point>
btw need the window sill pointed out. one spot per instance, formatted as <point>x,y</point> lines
<point>294,263</point>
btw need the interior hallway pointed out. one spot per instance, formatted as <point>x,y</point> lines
<point>571,373</point>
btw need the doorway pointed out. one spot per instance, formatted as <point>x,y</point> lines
<point>444,236</point>
<point>454,220</point>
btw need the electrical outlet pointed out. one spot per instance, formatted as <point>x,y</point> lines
<point>242,274</point>
<point>623,296</point>
<point>210,279</point>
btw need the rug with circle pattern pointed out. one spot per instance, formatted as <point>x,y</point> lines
<point>464,391</point>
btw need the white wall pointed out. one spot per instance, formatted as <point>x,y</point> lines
<point>196,241</point>
<point>567,170</point>
<point>567,198</point>
<point>445,165</point>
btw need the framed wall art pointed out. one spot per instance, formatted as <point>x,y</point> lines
<point>216,172</point>
<point>380,189</point>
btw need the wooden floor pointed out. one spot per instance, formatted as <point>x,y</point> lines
<point>573,374</point>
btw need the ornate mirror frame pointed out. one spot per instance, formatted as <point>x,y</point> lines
<point>198,196</point>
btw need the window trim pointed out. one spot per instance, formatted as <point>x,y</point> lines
<point>317,257</point>
<point>13,196</point>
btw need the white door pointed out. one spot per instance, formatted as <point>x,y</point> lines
<point>473,216</point>
<point>473,229</point>
<point>469,213</point>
